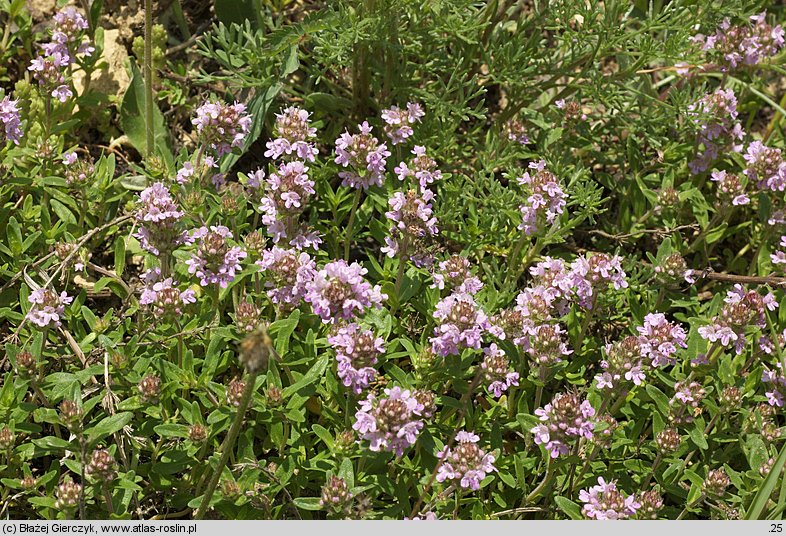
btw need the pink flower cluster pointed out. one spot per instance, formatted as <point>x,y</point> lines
<point>413,221</point>
<point>287,191</point>
<point>565,419</point>
<point>421,167</point>
<point>659,339</point>
<point>496,371</point>
<point>391,423</point>
<point>214,262</point>
<point>10,120</point>
<point>157,215</point>
<point>623,361</point>
<point>399,122</point>
<point>454,273</point>
<point>339,292</point>
<point>604,501</point>
<point>715,117</point>
<point>222,126</point>
<point>47,307</point>
<point>357,351</point>
<point>730,189</point>
<point>545,198</point>
<point>766,166</point>
<point>364,157</point>
<point>462,324</point>
<point>287,274</point>
<point>741,309</point>
<point>467,464</point>
<point>162,295</point>
<point>744,44</point>
<point>293,133</point>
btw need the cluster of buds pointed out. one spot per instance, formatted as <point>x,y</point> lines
<point>413,222</point>
<point>685,402</point>
<point>26,364</point>
<point>673,270</point>
<point>514,130</point>
<point>497,374</point>
<point>467,464</point>
<point>571,109</point>
<point>622,364</point>
<point>101,466</point>
<point>730,398</point>
<point>605,426</point>
<point>7,439</point>
<point>235,392</point>
<point>336,496</point>
<point>150,388</point>
<point>71,415</point>
<point>716,483</point>
<point>163,296</point>
<point>197,433</point>
<point>650,503</point>
<point>247,316</point>
<point>67,495</point>
<point>565,419</point>
<point>546,346</point>
<point>668,440</point>
<point>730,189</point>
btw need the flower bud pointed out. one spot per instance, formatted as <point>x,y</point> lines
<point>274,396</point>
<point>730,398</point>
<point>71,415</point>
<point>7,439</point>
<point>255,350</point>
<point>651,502</point>
<point>668,440</point>
<point>197,433</point>
<point>336,496</point>
<point>716,482</point>
<point>29,483</point>
<point>26,364</point>
<point>67,495</point>
<point>246,317</point>
<point>229,489</point>
<point>150,388</point>
<point>101,466</point>
<point>235,392</point>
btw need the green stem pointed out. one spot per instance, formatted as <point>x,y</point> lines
<point>402,265</point>
<point>543,484</point>
<point>514,255</point>
<point>228,444</point>
<point>148,75</point>
<point>351,223</point>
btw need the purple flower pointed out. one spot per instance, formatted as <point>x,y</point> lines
<point>293,133</point>
<point>545,198</point>
<point>604,501</point>
<point>467,464</point>
<point>422,167</point>
<point>339,292</point>
<point>398,122</point>
<point>730,189</point>
<point>659,339</point>
<point>222,126</point>
<point>566,418</point>
<point>454,273</point>
<point>357,351</point>
<point>496,371</point>
<point>462,325</point>
<point>595,272</point>
<point>622,364</point>
<point>766,166</point>
<point>287,192</point>
<point>287,273</point>
<point>77,172</point>
<point>545,344</point>
<point>686,400</point>
<point>740,310</point>
<point>734,46</point>
<point>214,261</point>
<point>413,221</point>
<point>157,214</point>
<point>715,117</point>
<point>10,120</point>
<point>515,130</point>
<point>47,307</point>
<point>364,156</point>
<point>391,423</point>
<point>163,296</point>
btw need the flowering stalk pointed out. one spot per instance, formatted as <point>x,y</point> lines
<point>402,265</point>
<point>351,223</point>
<point>228,444</point>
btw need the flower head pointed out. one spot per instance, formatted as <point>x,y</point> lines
<point>222,126</point>
<point>563,420</point>
<point>357,351</point>
<point>390,423</point>
<point>287,272</point>
<point>339,291</point>
<point>462,324</point>
<point>294,135</point>
<point>496,371</point>
<point>363,156</point>
<point>214,261</point>
<point>47,307</point>
<point>10,120</point>
<point>466,463</point>
<point>605,501</point>
<point>399,122</point>
<point>545,198</point>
